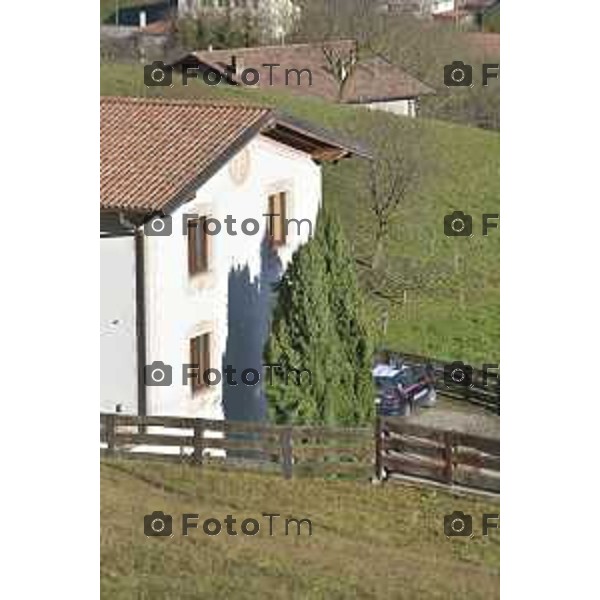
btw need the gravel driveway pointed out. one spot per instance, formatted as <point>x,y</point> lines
<point>458,416</point>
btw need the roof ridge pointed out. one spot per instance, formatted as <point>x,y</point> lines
<point>185,102</point>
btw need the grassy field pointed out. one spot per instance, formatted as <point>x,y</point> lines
<point>451,308</point>
<point>367,541</point>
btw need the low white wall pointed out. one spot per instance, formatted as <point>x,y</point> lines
<point>406,108</point>
<point>118,356</point>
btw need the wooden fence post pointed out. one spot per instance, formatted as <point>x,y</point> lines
<point>378,448</point>
<point>198,442</point>
<point>448,456</point>
<point>111,431</point>
<point>286,452</point>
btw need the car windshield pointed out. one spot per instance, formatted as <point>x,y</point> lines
<point>407,376</point>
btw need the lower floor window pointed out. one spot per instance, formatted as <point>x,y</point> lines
<point>200,361</point>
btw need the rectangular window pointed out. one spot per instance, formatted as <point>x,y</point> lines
<point>198,246</point>
<point>200,360</point>
<point>276,224</point>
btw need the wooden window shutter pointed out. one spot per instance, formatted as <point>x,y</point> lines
<point>198,246</point>
<point>194,361</point>
<point>192,233</point>
<point>277,224</point>
<point>203,245</point>
<point>200,359</point>
<point>204,352</point>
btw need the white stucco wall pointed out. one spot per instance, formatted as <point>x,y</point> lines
<point>441,6</point>
<point>118,358</point>
<point>406,108</point>
<point>234,297</point>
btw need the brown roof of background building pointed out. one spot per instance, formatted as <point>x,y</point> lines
<point>161,27</point>
<point>486,44</point>
<point>373,79</point>
<point>155,153</point>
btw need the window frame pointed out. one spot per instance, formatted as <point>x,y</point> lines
<point>200,357</point>
<point>198,246</point>
<point>274,240</point>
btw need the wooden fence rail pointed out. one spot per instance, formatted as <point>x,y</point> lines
<point>398,448</point>
<point>449,457</point>
<point>301,450</point>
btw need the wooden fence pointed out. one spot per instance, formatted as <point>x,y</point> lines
<point>484,390</point>
<point>335,452</point>
<point>449,457</point>
<point>397,448</point>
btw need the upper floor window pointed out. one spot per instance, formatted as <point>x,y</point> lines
<point>198,246</point>
<point>276,222</point>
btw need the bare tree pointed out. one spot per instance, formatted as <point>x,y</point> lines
<point>335,19</point>
<point>395,172</point>
<point>341,64</point>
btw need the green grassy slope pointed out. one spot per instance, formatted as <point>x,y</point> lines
<point>367,541</point>
<point>491,20</point>
<point>451,309</point>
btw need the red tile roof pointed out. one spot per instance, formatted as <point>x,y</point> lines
<point>151,150</point>
<point>155,153</point>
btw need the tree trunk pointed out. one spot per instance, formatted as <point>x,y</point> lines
<point>378,254</point>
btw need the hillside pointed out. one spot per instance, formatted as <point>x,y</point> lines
<point>367,541</point>
<point>442,294</point>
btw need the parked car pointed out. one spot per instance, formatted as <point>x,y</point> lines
<point>402,388</point>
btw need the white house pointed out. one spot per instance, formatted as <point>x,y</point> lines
<point>441,6</point>
<point>303,69</point>
<point>197,296</point>
<point>423,8</point>
<point>275,18</point>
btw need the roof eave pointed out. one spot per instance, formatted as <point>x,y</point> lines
<point>320,144</point>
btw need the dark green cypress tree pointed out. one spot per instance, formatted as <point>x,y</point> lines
<point>302,337</point>
<point>319,324</point>
<point>349,312</point>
